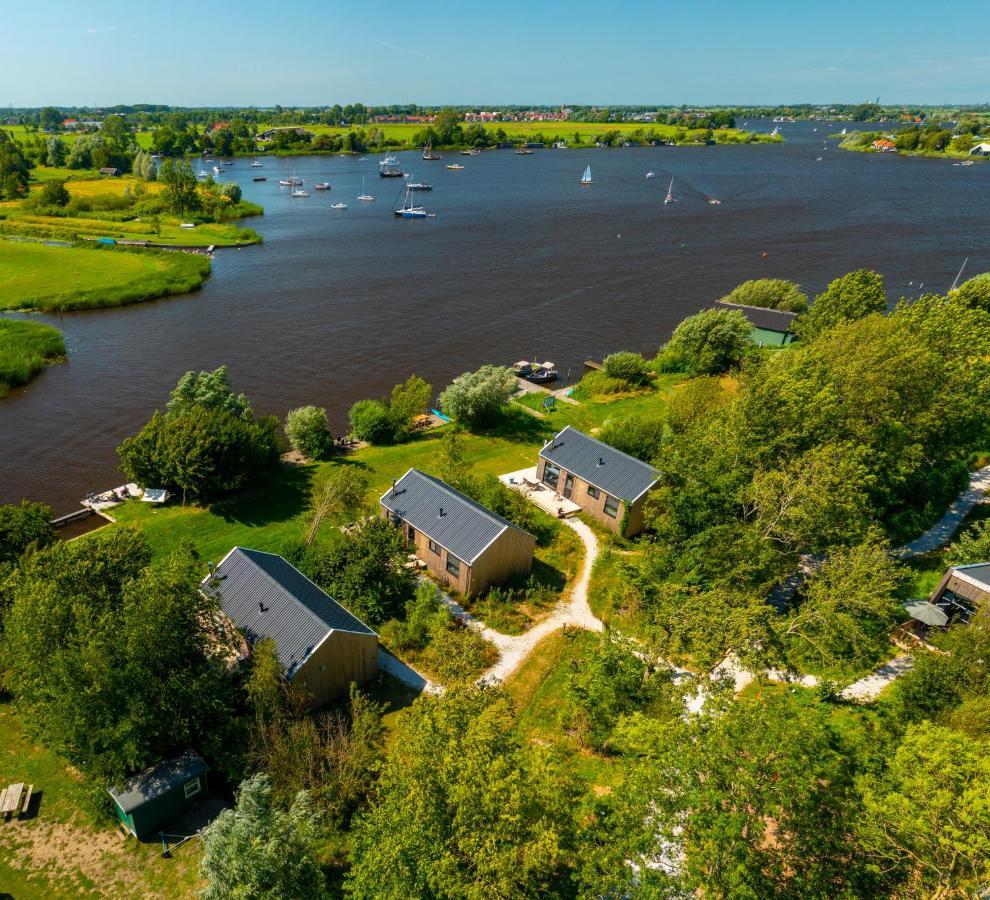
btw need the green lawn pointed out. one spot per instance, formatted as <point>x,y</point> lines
<point>59,852</point>
<point>25,348</point>
<point>38,276</point>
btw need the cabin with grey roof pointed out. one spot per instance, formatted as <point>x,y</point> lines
<point>608,485</point>
<point>464,545</point>
<point>322,646</point>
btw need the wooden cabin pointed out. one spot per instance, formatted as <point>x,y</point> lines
<point>771,327</point>
<point>608,485</point>
<point>464,545</point>
<point>161,794</point>
<point>962,591</point>
<point>321,645</point>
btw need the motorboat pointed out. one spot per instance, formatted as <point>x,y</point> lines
<point>338,206</point>
<point>299,192</point>
<point>524,151</point>
<point>651,174</point>
<point>259,178</point>
<point>471,151</point>
<point>420,186</point>
<point>455,166</point>
<point>321,186</point>
<point>523,368</point>
<point>543,373</point>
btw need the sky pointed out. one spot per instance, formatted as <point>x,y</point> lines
<point>320,52</point>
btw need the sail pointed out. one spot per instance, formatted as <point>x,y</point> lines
<point>586,177</point>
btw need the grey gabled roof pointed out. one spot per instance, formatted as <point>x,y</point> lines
<point>978,572</point>
<point>267,597</point>
<point>617,473</point>
<point>158,780</point>
<point>465,528</point>
<point>761,317</point>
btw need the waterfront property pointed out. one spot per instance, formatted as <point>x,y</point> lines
<point>981,149</point>
<point>771,327</point>
<point>962,590</point>
<point>321,645</point>
<point>460,542</point>
<point>608,485</point>
<point>884,145</point>
<point>161,794</point>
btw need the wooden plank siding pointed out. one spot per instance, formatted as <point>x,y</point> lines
<point>959,586</point>
<point>509,555</point>
<point>595,506</point>
<point>342,658</point>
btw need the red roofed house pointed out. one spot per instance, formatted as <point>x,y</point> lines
<point>217,126</point>
<point>884,146</point>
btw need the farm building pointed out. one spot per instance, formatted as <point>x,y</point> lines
<point>321,645</point>
<point>608,485</point>
<point>771,327</point>
<point>269,134</point>
<point>160,794</point>
<point>465,545</point>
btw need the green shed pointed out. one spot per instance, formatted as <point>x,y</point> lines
<point>771,327</point>
<point>160,794</point>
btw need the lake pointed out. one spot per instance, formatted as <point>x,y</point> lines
<point>520,262</point>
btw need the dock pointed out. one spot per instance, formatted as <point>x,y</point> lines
<point>593,364</point>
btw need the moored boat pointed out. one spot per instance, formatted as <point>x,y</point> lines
<point>429,154</point>
<point>390,168</point>
<point>321,186</point>
<point>408,210</point>
<point>586,177</point>
<point>455,166</point>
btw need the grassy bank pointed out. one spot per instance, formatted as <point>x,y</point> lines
<point>25,349</point>
<point>38,276</point>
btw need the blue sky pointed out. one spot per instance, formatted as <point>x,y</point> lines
<point>507,51</point>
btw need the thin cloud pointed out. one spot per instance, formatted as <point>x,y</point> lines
<point>398,49</point>
<point>101,30</point>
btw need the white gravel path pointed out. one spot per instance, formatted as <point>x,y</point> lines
<point>406,674</point>
<point>942,531</point>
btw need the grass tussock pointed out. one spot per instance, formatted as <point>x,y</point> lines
<point>25,349</point>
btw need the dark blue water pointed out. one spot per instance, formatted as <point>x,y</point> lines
<point>520,262</point>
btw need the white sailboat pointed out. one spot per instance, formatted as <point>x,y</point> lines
<point>670,193</point>
<point>364,195</point>
<point>586,177</point>
<point>408,210</point>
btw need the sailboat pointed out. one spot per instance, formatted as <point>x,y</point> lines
<point>407,210</point>
<point>364,195</point>
<point>775,132</point>
<point>428,152</point>
<point>670,193</point>
<point>255,162</point>
<point>586,177</point>
<point>390,168</point>
<point>651,174</point>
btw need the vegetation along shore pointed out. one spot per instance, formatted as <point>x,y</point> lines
<point>25,349</point>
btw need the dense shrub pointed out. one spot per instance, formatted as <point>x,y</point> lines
<point>23,526</point>
<point>975,292</point>
<point>627,366</point>
<point>639,436</point>
<point>371,422</point>
<point>771,293</point>
<point>710,342</point>
<point>598,384</point>
<point>308,431</point>
<point>477,398</point>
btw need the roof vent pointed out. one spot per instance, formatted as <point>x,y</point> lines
<point>442,513</point>
<point>601,462</point>
<point>262,607</point>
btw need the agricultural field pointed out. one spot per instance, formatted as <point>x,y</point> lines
<point>40,276</point>
<point>25,349</point>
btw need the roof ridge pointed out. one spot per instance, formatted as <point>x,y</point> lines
<point>461,497</point>
<point>608,446</point>
<point>771,309</point>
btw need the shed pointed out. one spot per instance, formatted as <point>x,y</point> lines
<point>771,327</point>
<point>322,646</point>
<point>161,794</point>
<point>108,170</point>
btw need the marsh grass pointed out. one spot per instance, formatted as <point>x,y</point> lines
<point>25,349</point>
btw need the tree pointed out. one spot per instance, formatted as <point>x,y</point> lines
<point>463,810</point>
<point>772,293</point>
<point>362,569</point>
<point>475,399</point>
<point>143,166</point>
<point>972,546</point>
<point>259,850</point>
<point>179,186</point>
<point>710,342</point>
<point>27,525</point>
<point>49,118</point>
<point>847,609</point>
<point>630,367</point>
<point>56,152</point>
<point>109,658</point>
<point>336,493</point>
<point>410,399</point>
<point>926,814</point>
<point>309,432</point>
<point>853,296</point>
<point>975,292</point>
<point>207,390</point>
<point>201,453</point>
<point>370,421</point>
<point>53,193</point>
<point>639,436</point>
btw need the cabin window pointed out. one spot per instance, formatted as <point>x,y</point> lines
<point>192,788</point>
<point>434,548</point>
<point>551,475</point>
<point>611,507</point>
<point>592,492</point>
<point>453,566</point>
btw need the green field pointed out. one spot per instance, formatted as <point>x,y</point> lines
<point>38,276</point>
<point>25,349</point>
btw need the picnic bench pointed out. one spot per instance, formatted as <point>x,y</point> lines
<point>14,799</point>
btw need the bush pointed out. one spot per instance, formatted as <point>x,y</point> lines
<point>598,384</point>
<point>54,194</point>
<point>975,292</point>
<point>711,341</point>
<point>24,526</point>
<point>477,398</point>
<point>627,366</point>
<point>408,400</point>
<point>639,436</point>
<point>308,431</point>
<point>771,293</point>
<point>371,422</point>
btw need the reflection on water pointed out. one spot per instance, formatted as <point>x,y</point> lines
<point>520,262</point>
